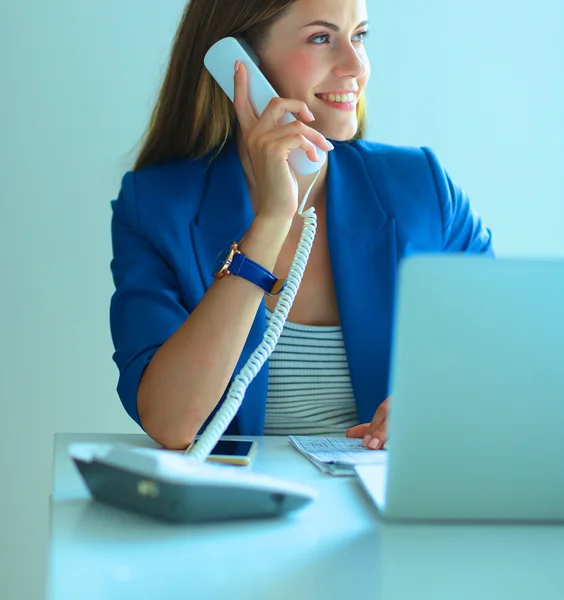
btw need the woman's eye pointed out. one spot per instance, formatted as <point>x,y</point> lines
<point>363,35</point>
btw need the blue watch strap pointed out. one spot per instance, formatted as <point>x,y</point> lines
<point>244,267</point>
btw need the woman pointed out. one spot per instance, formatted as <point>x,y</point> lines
<point>211,173</point>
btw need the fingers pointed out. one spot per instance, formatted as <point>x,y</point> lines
<point>358,431</point>
<point>375,436</point>
<point>276,143</point>
<point>299,133</point>
<point>293,135</point>
<point>298,128</point>
<point>376,433</point>
<point>278,106</point>
<point>243,107</point>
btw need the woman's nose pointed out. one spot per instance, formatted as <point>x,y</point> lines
<point>354,65</point>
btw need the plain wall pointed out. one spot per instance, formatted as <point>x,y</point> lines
<point>482,83</point>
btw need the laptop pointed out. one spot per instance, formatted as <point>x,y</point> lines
<point>476,423</point>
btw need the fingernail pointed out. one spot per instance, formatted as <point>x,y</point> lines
<point>311,115</point>
<point>373,443</point>
<point>330,145</point>
<point>365,441</point>
<point>237,65</point>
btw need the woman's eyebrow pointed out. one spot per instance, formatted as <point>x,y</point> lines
<point>331,25</point>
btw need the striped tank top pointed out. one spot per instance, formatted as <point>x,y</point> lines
<point>309,386</point>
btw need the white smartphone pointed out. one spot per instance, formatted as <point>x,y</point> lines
<point>220,62</point>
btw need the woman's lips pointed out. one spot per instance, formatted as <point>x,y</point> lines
<point>346,106</point>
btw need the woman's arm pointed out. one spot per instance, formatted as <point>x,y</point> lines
<point>190,372</point>
<point>175,365</point>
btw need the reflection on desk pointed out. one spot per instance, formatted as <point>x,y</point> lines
<point>336,548</point>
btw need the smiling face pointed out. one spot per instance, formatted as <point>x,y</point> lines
<point>308,62</point>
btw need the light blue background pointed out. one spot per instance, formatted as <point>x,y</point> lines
<point>480,82</point>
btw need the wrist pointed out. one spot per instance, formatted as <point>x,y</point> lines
<point>264,240</point>
<point>272,224</point>
<point>233,262</point>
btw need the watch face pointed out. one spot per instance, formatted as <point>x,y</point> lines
<point>221,259</point>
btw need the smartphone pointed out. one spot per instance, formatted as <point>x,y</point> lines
<point>233,452</point>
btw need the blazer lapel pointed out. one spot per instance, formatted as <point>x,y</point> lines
<point>362,246</point>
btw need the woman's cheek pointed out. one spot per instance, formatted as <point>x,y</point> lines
<point>299,71</point>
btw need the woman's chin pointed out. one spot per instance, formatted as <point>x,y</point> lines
<point>338,132</point>
<point>341,135</point>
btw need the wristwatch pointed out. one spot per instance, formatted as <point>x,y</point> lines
<point>232,261</point>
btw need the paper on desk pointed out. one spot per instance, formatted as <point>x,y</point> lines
<point>336,455</point>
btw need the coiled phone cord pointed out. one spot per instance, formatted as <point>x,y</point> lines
<point>236,393</point>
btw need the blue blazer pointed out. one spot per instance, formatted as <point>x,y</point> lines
<point>171,220</point>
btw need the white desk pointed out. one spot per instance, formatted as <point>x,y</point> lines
<point>336,548</point>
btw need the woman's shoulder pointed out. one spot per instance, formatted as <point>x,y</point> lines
<point>393,157</point>
<point>396,169</point>
<point>419,193</point>
<point>150,194</point>
<point>168,176</point>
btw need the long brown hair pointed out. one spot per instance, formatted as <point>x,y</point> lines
<point>193,116</point>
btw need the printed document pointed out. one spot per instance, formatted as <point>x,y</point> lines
<point>337,455</point>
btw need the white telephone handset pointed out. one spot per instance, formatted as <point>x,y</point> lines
<point>220,62</point>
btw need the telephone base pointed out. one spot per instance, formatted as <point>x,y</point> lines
<point>175,488</point>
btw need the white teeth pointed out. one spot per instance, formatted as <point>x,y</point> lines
<point>339,97</point>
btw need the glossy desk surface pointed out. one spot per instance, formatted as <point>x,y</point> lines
<point>335,548</point>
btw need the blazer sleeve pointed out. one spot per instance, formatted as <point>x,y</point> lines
<point>146,307</point>
<point>463,229</point>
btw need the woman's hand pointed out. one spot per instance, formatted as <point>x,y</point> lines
<point>269,145</point>
<point>374,434</point>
